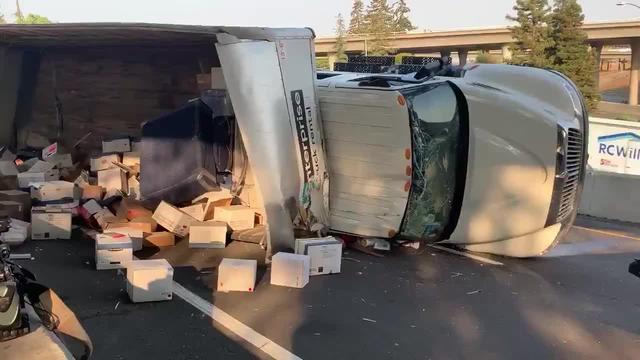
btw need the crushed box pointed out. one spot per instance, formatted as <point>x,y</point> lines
<point>172,219</point>
<point>195,211</point>
<point>112,179</point>
<point>61,161</point>
<point>113,251</point>
<point>149,280</point>
<point>159,239</point>
<point>119,145</point>
<point>291,270</point>
<point>50,225</point>
<point>129,209</point>
<point>237,275</point>
<point>104,162</point>
<point>325,254</point>
<point>210,234</point>
<point>238,217</point>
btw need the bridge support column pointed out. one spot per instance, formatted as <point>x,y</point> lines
<point>444,53</point>
<point>506,53</point>
<point>597,54</point>
<point>462,56</point>
<point>635,73</point>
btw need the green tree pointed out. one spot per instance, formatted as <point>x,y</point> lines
<point>401,22</point>
<point>357,22</point>
<point>533,41</point>
<point>30,18</point>
<point>379,21</point>
<point>341,44</point>
<point>571,54</point>
<point>2,20</point>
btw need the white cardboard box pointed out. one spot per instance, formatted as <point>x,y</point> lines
<point>149,280</point>
<point>237,275</point>
<point>104,162</point>
<point>55,190</point>
<point>211,235</point>
<point>102,216</point>
<point>112,179</point>
<point>50,225</point>
<point>195,211</point>
<point>325,254</point>
<point>291,270</point>
<point>120,145</point>
<point>60,160</point>
<point>49,151</point>
<point>41,166</point>
<point>18,232</point>
<point>8,168</point>
<point>172,219</point>
<point>136,235</point>
<point>238,217</point>
<point>113,251</point>
<point>25,179</point>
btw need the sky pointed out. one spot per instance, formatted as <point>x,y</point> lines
<point>430,15</point>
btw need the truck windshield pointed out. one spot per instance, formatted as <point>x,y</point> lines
<point>437,142</point>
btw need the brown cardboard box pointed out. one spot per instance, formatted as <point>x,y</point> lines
<point>92,192</point>
<point>131,159</point>
<point>22,197</point>
<point>159,239</point>
<point>130,209</point>
<point>12,209</point>
<point>144,223</point>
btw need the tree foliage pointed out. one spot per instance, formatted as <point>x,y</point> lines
<point>380,24</point>
<point>340,46</point>
<point>33,19</point>
<point>533,40</point>
<point>571,54</point>
<point>357,23</point>
<point>401,22</point>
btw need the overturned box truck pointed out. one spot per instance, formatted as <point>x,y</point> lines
<point>489,158</point>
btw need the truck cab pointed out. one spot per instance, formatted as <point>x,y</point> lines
<point>490,158</point>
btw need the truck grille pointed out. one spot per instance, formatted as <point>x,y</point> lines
<point>572,177</point>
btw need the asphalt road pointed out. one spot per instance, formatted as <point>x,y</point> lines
<point>577,302</point>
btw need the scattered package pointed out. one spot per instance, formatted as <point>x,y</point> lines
<point>149,280</point>
<point>19,232</point>
<point>21,197</point>
<point>143,223</point>
<point>131,209</point>
<point>25,179</point>
<point>195,211</point>
<point>210,234</point>
<point>291,270</point>
<point>118,145</point>
<point>104,217</point>
<point>50,225</point>
<point>325,254</point>
<point>237,275</point>
<point>55,191</point>
<point>92,192</point>
<point>238,217</point>
<point>159,239</point>
<point>131,159</point>
<point>92,207</point>
<point>113,251</point>
<point>12,209</point>
<point>136,235</point>
<point>213,199</point>
<point>172,219</point>
<point>114,179</point>
<point>104,162</point>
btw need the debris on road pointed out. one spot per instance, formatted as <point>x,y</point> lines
<point>369,320</point>
<point>474,292</point>
<point>290,270</point>
<point>237,275</point>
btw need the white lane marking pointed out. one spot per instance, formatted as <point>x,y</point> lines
<point>248,334</point>
<point>462,253</point>
<point>609,233</point>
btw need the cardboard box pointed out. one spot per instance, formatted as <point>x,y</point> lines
<point>40,167</point>
<point>131,158</point>
<point>131,209</point>
<point>22,197</point>
<point>104,162</point>
<point>113,251</point>
<point>143,223</point>
<point>49,151</point>
<point>133,187</point>
<point>172,219</point>
<point>238,217</point>
<point>325,254</point>
<point>237,275</point>
<point>68,206</point>
<point>112,179</point>
<point>149,280</point>
<point>104,217</point>
<point>213,199</point>
<point>50,225</point>
<point>119,145</point>
<point>12,209</point>
<point>291,270</point>
<point>136,146</point>
<point>61,161</point>
<point>136,235</point>
<point>94,192</point>
<point>8,182</point>
<point>18,233</point>
<point>195,211</point>
<point>208,235</point>
<point>159,239</point>
<point>92,207</point>
<point>8,168</point>
<point>25,179</point>
<point>55,190</point>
